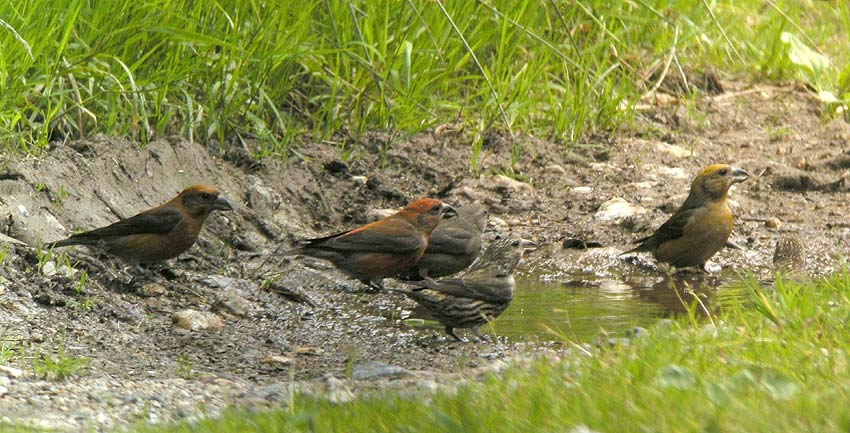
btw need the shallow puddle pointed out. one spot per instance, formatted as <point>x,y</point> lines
<point>580,309</point>
<point>554,302</point>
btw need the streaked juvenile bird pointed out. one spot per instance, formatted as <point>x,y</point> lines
<point>789,257</point>
<point>384,248</point>
<point>157,234</point>
<point>701,226</point>
<point>453,245</point>
<point>478,295</point>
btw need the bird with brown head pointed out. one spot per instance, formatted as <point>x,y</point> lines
<point>157,234</point>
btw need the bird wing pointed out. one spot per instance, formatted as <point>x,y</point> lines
<point>485,289</point>
<point>391,236</point>
<point>674,227</point>
<point>452,240</point>
<point>154,221</point>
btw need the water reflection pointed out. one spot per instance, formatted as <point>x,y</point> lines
<point>579,309</point>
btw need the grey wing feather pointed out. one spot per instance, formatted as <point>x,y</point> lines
<point>158,221</point>
<point>450,240</point>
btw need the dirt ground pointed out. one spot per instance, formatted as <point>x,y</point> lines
<point>313,323</point>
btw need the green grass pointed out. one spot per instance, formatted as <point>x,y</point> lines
<point>772,361</point>
<point>287,72</point>
<point>59,366</point>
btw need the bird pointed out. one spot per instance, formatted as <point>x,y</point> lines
<point>479,294</point>
<point>157,234</point>
<point>381,249</point>
<point>701,226</point>
<point>453,245</point>
<point>789,257</point>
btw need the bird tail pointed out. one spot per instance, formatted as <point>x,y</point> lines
<point>399,290</point>
<point>67,242</point>
<point>293,251</point>
<point>418,286</point>
<point>638,249</point>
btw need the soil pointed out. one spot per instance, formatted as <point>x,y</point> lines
<point>312,324</point>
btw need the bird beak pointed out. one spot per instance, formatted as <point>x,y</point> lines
<point>739,175</point>
<point>221,203</point>
<point>448,211</point>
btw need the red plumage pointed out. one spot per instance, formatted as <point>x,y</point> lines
<point>384,248</point>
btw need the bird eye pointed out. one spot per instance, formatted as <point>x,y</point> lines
<point>515,243</point>
<point>723,172</point>
<point>436,208</point>
<point>206,196</point>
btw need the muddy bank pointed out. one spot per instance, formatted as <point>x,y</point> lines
<point>265,338</point>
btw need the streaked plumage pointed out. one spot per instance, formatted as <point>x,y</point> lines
<point>789,257</point>
<point>479,294</point>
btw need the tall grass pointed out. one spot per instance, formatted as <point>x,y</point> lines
<point>282,72</point>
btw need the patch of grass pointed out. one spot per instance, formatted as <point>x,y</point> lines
<point>185,367</point>
<point>8,350</point>
<point>773,360</point>
<point>59,366</point>
<point>265,76</point>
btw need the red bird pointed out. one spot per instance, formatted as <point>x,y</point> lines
<point>384,248</point>
<point>157,234</point>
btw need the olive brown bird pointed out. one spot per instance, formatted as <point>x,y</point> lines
<point>384,248</point>
<point>478,295</point>
<point>702,225</point>
<point>453,245</point>
<point>157,234</point>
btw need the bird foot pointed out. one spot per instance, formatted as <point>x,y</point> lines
<point>450,332</point>
<point>479,337</point>
<point>169,273</point>
<point>376,287</point>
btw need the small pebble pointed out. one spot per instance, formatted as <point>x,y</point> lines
<point>772,223</point>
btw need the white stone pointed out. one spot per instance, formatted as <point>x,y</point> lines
<point>555,170</point>
<point>674,172</point>
<point>617,209</point>
<point>379,214</point>
<point>11,371</point>
<point>193,320</point>
<point>673,150</point>
<point>500,181</point>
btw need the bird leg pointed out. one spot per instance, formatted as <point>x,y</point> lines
<point>451,333</point>
<point>139,275</point>
<point>478,335</point>
<point>375,286</point>
<point>168,272</point>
